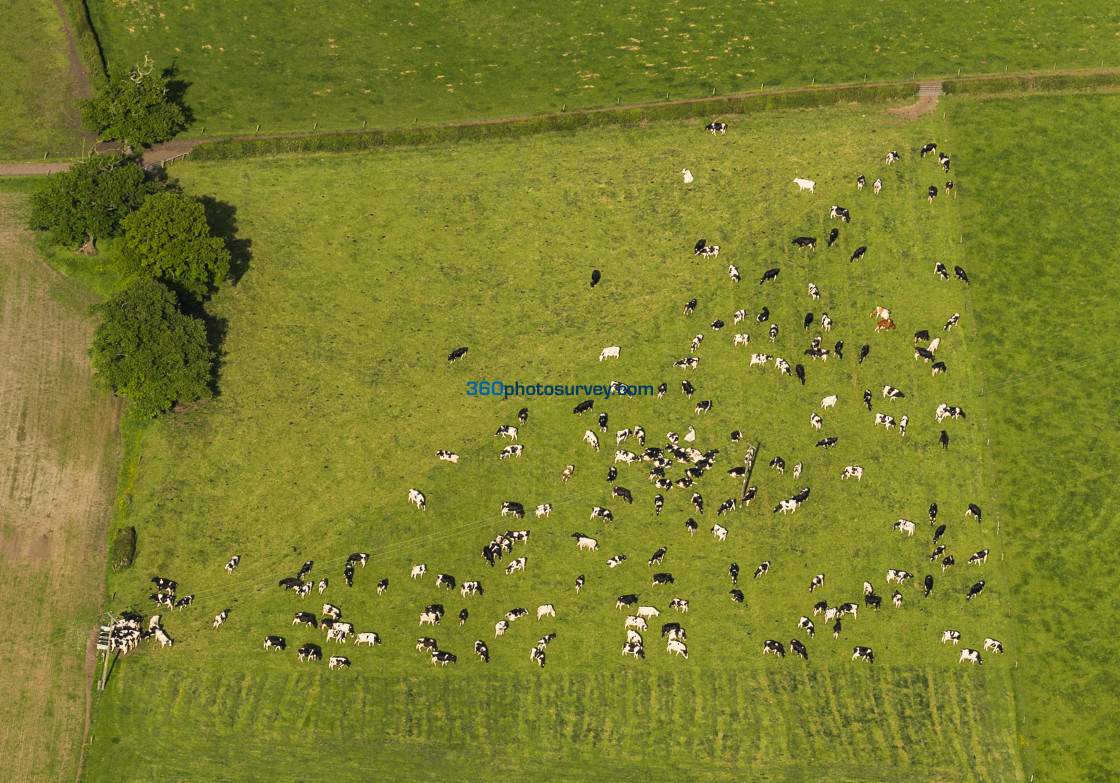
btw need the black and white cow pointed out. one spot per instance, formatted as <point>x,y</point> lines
<point>662,579</point>
<point>770,274</point>
<point>863,654</point>
<point>940,270</point>
<point>979,557</point>
<point>839,212</point>
<point>456,355</point>
<point>973,511</point>
<point>859,253</point>
<point>975,590</point>
<point>658,556</point>
<point>928,148</point>
<point>274,643</point>
<point>771,646</point>
<point>716,127</point>
<point>816,582</point>
<point>583,407</point>
<point>833,235</point>
<point>809,242</point>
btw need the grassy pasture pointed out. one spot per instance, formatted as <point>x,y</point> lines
<point>1045,309</point>
<point>335,393</point>
<point>289,66</point>
<point>37,113</point>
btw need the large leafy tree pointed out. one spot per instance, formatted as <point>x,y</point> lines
<point>169,239</point>
<point>134,107</point>
<point>88,201</point>
<point>146,350</point>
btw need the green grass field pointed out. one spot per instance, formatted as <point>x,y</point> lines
<point>335,393</point>
<point>37,113</point>
<point>289,66</point>
<point>1036,226</point>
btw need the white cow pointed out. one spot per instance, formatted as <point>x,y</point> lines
<point>678,648</point>
<point>589,437</point>
<point>951,636</point>
<point>637,623</point>
<point>417,497</point>
<point>543,510</point>
<point>719,532</point>
<point>419,570</point>
<point>804,184</point>
<point>609,353</point>
<point>633,637</point>
<point>904,526</point>
<point>829,402</point>
<point>648,612</point>
<point>687,176</point>
<point>816,421</point>
<point>852,471</point>
<point>587,543</point>
<point>429,618</point>
<point>742,339</point>
<point>546,610</point>
<point>500,628</point>
<point>369,638</point>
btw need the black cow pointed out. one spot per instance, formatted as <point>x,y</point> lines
<point>932,193</point>
<point>348,574</point>
<point>622,492</point>
<point>291,583</point>
<point>838,349</point>
<point>687,388</point>
<point>691,526</point>
<point>799,371</point>
<point>733,571</point>
<point>937,534</point>
<point>799,649</point>
<point>583,407</point>
<point>771,274</point>
<point>737,596</point>
<point>690,307</point>
<point>164,584</point>
<point>938,367</point>
<point>975,590</point>
<point>873,601</point>
<point>456,355</point>
<point>668,627</point>
<point>833,235</point>
<point>717,324</point>
<point>932,513</point>
<point>827,443</point>
<point>948,187</point>
<point>626,601</point>
<point>940,270</point>
<point>861,251</point>
<point>277,642</point>
<point>596,276</point>
<point>662,579</point>
<point>961,275</point>
<point>661,390</point>
<point>763,316</point>
<point>863,353</point>
<point>840,212</point>
<point>929,585</point>
<point>973,511</point>
<point>523,415</point>
<point>944,439</point>
<point>462,617</point>
<point>921,336</point>
<point>809,242</point>
<point>922,353</point>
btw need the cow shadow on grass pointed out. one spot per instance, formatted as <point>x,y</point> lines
<point>222,217</point>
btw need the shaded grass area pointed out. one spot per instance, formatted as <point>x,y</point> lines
<point>37,113</point>
<point>289,66</point>
<point>1045,310</point>
<point>366,271</point>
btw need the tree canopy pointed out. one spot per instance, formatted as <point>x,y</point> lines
<point>169,239</point>
<point>146,350</point>
<point>88,201</point>
<point>133,107</point>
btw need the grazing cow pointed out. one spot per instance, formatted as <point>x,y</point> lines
<point>442,658</point>
<point>892,156</point>
<point>839,212</point>
<point>658,556</point>
<point>932,193</point>
<point>583,407</point>
<point>471,588</point>
<point>973,511</point>
<point>951,636</point>
<point>274,642</point>
<point>733,273</point>
<point>591,438</point>
<point>938,367</point>
<point>860,182</point>
<point>512,507</point>
<point>648,612</point>
<point>829,402</point>
<point>892,393</point>
<point>617,560</point>
<point>543,510</point>
<point>417,497</point>
<point>859,253</point>
<point>952,322</point>
<point>943,159</point>
<point>311,652</point>
<point>220,618</point>
<point>763,316</point>
<point>863,353</point>
<point>688,363</point>
<point>516,565</point>
<point>748,496</point>
<point>760,359</point>
<point>232,564</point>
<point>979,557</point>
<point>804,184</point>
<point>633,649</point>
<point>680,605</point>
<point>426,643</point>
<point>826,322</point>
<point>873,601</point>
<point>808,321</point>
<point>940,531</point>
<point>863,654</point>
<point>691,527</point>
<point>445,579</point>
<point>896,599</point>
<point>902,425</point>
<point>164,584</point>
<point>993,644</point>
<point>719,532</point>
<point>662,579</point>
<point>687,181</point>
<point>331,611</point>
<point>609,353</point>
<point>698,502</point>
<point>819,607</point>
<point>972,656</point>
<point>622,492</point>
<point>937,552</point>
<point>905,526</point>
<point>928,148</point>
<point>515,614</point>
<point>740,315</point>
<point>877,186</point>
<point>797,469</point>
<point>482,651</point>
<point>716,127</point>
<point>946,563</point>
<point>921,336</point>
<point>806,625</point>
<point>816,582</point>
<point>696,342</point>
<point>816,421</point>
<point>771,646</point>
<point>803,242</point>
<point>779,465</point>
<point>678,648</point>
<point>456,355</point>
<point>770,274</point>
<point>625,601</point>
<point>369,638</point>
<point>711,251</point>
<point>703,406</point>
<point>635,622</point>
<point>429,618</point>
<point>742,339</point>
<point>511,451</point>
<point>975,590</point>
<point>898,576</point>
<point>923,353</point>
<point>507,431</point>
<point>546,610</point>
<point>940,270</point>
<point>814,292</point>
<point>305,618</point>
<point>799,649</point>
<point>733,571</point>
<point>184,602</point>
<point>786,506</point>
<point>690,306</point>
<point>602,513</point>
<point>885,325</point>
<point>833,235</point>
<point>961,275</point>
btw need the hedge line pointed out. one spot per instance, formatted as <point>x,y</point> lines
<point>89,49</point>
<point>364,140</point>
<point>1033,83</point>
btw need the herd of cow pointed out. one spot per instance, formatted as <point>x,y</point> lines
<point>661,460</point>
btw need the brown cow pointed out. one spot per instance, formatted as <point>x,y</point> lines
<point>885,324</point>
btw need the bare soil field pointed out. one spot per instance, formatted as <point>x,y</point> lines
<point>58,462</point>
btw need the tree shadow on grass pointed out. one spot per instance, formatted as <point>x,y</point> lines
<point>216,330</point>
<point>177,92</point>
<point>222,217</point>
